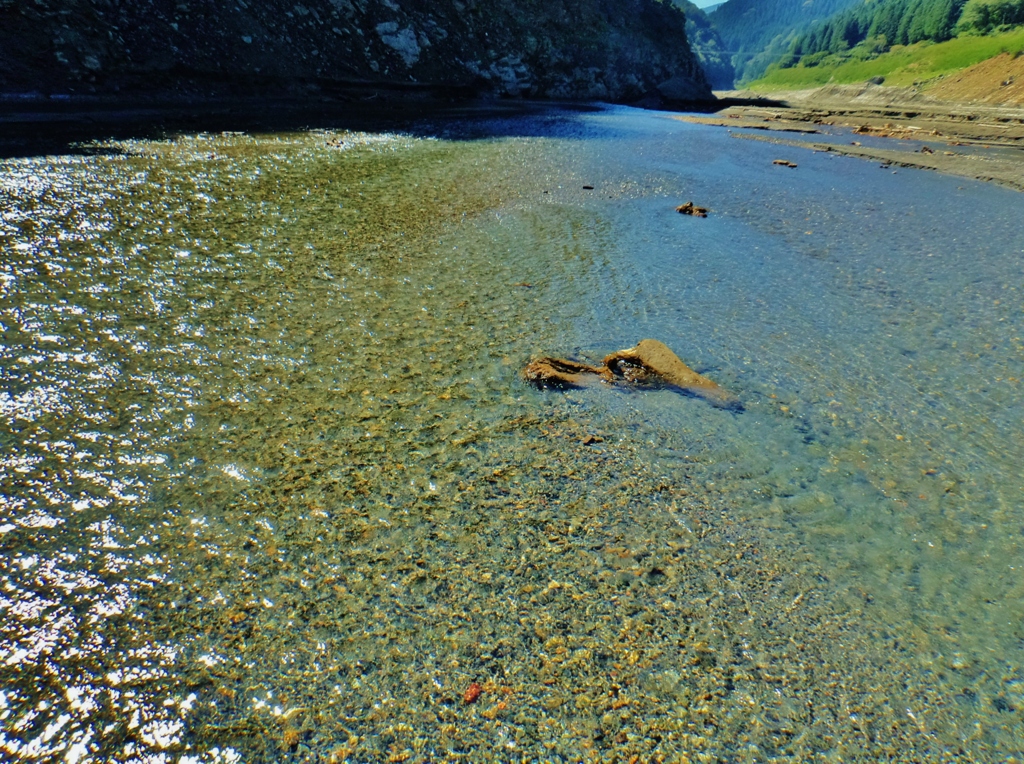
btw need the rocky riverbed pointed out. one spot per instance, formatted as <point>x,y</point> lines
<point>274,489</point>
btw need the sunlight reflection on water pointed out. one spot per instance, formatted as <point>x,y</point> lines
<point>272,487</point>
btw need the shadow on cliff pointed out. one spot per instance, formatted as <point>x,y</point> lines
<point>50,126</point>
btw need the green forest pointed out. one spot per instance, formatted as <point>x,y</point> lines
<point>873,27</point>
<point>763,37</point>
<point>985,17</point>
<point>757,32</point>
<point>887,22</point>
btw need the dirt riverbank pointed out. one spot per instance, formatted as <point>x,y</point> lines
<point>968,139</point>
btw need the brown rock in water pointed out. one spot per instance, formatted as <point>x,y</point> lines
<point>785,163</point>
<point>651,358</point>
<point>690,209</point>
<point>650,362</point>
<point>560,374</point>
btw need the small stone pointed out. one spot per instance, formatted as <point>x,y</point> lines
<point>554,702</point>
<point>691,209</point>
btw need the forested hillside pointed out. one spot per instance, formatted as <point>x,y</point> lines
<point>883,23</point>
<point>757,32</point>
<point>706,42</point>
<point>986,16</point>
<point>906,41</point>
<point>910,44</point>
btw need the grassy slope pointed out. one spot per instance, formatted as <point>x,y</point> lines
<point>901,66</point>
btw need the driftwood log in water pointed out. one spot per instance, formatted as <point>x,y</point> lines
<point>650,362</point>
<point>561,374</point>
<point>652,358</point>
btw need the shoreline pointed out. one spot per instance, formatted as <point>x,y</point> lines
<point>973,140</point>
<point>33,124</point>
<point>970,140</point>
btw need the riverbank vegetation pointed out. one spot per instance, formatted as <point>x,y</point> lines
<point>899,65</point>
<point>898,42</point>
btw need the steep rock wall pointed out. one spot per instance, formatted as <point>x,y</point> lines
<point>616,50</point>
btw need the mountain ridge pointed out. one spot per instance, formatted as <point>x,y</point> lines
<point>707,44</point>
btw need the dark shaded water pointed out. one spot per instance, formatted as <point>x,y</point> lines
<point>272,488</point>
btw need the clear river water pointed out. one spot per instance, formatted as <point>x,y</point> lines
<point>272,487</point>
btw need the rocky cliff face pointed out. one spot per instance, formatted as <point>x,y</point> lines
<point>617,50</point>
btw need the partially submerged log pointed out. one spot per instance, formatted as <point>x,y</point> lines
<point>651,358</point>
<point>561,374</point>
<point>649,363</point>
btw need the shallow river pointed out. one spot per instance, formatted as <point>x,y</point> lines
<point>273,489</point>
